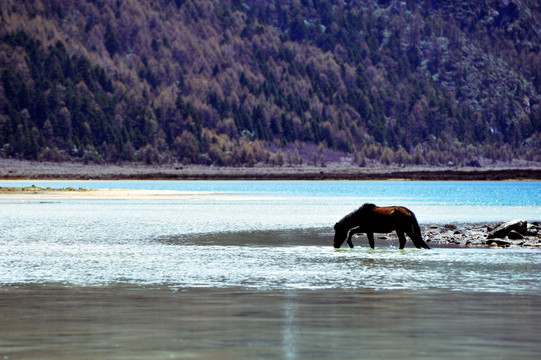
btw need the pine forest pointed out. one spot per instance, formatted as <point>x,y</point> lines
<point>247,82</point>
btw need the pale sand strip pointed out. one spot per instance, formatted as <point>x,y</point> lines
<point>37,193</point>
<point>100,194</point>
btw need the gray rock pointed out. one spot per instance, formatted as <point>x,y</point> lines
<point>498,243</point>
<point>503,230</point>
<point>532,230</point>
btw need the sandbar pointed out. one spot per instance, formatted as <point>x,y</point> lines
<point>38,193</point>
<point>35,192</point>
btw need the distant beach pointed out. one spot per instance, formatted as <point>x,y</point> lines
<point>17,169</point>
<point>36,192</point>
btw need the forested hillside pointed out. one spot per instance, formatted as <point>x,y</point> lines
<point>276,82</point>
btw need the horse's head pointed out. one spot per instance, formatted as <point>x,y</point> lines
<point>340,233</point>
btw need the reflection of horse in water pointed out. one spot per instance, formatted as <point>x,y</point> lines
<point>371,219</point>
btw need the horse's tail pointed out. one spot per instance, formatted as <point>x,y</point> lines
<point>417,236</point>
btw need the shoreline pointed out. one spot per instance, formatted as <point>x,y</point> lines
<point>30,170</point>
<point>525,235</point>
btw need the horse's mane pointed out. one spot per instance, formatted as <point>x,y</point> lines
<point>366,206</point>
<point>362,209</point>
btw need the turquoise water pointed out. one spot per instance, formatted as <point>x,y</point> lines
<point>325,202</point>
<point>485,193</point>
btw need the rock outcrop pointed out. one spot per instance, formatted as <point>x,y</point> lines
<point>503,230</point>
<point>515,233</point>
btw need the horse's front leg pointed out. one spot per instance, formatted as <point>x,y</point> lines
<point>350,235</point>
<point>370,236</point>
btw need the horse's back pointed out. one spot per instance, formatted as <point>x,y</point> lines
<point>388,218</point>
<point>392,211</point>
<point>393,216</point>
<point>404,211</point>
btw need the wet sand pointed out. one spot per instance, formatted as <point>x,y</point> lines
<point>136,322</point>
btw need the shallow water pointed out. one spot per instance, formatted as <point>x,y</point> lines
<point>252,273</point>
<point>125,322</point>
<point>271,261</point>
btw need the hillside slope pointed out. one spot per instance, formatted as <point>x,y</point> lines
<point>242,82</point>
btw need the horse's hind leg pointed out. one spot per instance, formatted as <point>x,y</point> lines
<point>417,240</point>
<point>401,238</point>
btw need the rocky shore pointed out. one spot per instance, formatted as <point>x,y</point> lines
<point>515,233</point>
<point>17,170</point>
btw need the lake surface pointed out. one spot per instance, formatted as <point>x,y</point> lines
<point>246,269</point>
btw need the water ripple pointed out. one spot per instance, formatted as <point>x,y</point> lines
<point>264,244</point>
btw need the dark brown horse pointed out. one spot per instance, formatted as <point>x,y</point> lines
<point>371,219</point>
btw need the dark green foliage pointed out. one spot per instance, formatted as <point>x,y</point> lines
<point>43,116</point>
<point>112,43</point>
